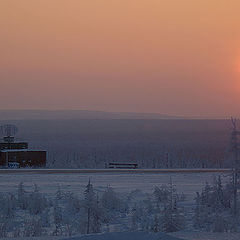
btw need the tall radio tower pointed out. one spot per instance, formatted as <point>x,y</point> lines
<point>235,149</point>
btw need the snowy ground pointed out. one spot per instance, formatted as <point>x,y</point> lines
<point>206,236</point>
<point>126,236</point>
<point>188,183</point>
<point>110,236</point>
<point>144,236</point>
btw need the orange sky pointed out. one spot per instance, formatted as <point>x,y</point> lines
<point>167,56</point>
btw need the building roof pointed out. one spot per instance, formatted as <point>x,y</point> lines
<point>22,150</point>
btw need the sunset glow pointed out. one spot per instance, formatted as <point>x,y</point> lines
<point>170,57</point>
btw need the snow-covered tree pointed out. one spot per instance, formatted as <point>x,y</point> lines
<point>45,218</point>
<point>220,224</point>
<point>22,197</point>
<point>8,205</point>
<point>32,228</point>
<point>156,226</point>
<point>59,193</point>
<point>72,214</point>
<point>213,211</point>
<point>36,201</point>
<point>161,194</point>
<point>58,219</point>
<point>173,219</point>
<point>110,205</point>
<point>91,206</point>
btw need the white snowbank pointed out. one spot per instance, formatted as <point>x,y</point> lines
<point>125,236</point>
<point>206,235</point>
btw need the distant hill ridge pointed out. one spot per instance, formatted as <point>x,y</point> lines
<point>77,114</point>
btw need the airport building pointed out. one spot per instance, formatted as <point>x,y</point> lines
<point>17,154</point>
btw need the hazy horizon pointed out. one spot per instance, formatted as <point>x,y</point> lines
<point>11,114</point>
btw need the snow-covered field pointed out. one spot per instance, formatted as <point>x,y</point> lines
<point>126,236</point>
<point>188,183</point>
<point>206,236</point>
<point>110,236</point>
<point>141,236</point>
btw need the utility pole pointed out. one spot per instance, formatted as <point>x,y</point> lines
<point>235,149</point>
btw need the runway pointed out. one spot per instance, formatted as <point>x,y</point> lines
<point>117,171</point>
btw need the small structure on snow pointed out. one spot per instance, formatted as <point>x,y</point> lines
<point>123,165</point>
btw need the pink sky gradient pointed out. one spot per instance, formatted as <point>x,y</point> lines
<point>173,57</point>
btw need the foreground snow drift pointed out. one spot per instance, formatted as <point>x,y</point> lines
<point>125,236</point>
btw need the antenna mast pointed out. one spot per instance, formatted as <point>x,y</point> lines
<point>8,131</point>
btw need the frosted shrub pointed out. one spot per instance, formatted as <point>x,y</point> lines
<point>72,204</point>
<point>72,215</point>
<point>220,224</point>
<point>170,216</point>
<point>45,218</point>
<point>58,219</point>
<point>70,225</point>
<point>59,193</point>
<point>36,201</point>
<point>3,229</point>
<point>32,228</point>
<point>213,211</point>
<point>111,205</point>
<point>156,224</point>
<point>173,216</point>
<point>8,205</point>
<point>173,220</point>
<point>161,194</point>
<point>109,200</point>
